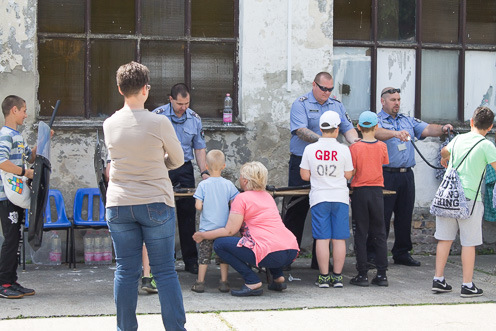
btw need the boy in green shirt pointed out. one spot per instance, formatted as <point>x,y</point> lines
<point>470,172</point>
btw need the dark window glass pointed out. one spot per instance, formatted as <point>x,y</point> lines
<point>113,16</point>
<point>166,64</point>
<point>106,57</point>
<point>352,19</point>
<point>153,32</point>
<point>61,68</point>
<point>213,18</point>
<point>396,20</point>
<point>440,21</point>
<point>211,76</point>
<point>481,22</point>
<point>61,16</point>
<point>163,18</point>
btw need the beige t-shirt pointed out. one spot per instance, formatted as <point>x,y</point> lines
<point>137,142</point>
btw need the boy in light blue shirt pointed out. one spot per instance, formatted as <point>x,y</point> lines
<point>213,196</point>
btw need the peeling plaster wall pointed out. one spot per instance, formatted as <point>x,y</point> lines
<point>18,54</point>
<point>264,99</point>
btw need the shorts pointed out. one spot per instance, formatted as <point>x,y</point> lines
<point>330,220</point>
<point>470,228</point>
<point>205,252</point>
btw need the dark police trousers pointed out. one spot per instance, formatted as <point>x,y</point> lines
<point>401,204</point>
<point>186,212</point>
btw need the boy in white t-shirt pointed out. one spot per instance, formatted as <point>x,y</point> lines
<point>327,164</point>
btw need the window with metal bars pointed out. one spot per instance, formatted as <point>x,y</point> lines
<point>441,53</point>
<point>82,43</point>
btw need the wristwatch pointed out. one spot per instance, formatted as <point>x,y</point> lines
<point>204,172</point>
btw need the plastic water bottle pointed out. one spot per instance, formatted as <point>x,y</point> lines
<point>89,252</point>
<point>55,250</point>
<point>98,255</point>
<point>107,248</point>
<point>227,114</point>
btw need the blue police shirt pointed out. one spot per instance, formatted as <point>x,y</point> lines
<point>406,157</point>
<point>306,112</point>
<point>188,129</point>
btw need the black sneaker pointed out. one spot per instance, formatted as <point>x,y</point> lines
<point>468,292</point>
<point>19,288</point>
<point>440,286</point>
<point>7,292</point>
<point>323,281</point>
<point>360,280</point>
<point>148,285</point>
<point>380,280</point>
<point>337,281</point>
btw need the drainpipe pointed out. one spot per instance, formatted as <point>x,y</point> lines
<point>288,72</point>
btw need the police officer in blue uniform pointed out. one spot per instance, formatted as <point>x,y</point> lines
<point>188,127</point>
<point>397,130</point>
<point>305,115</point>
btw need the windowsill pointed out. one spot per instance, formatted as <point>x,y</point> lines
<point>74,123</point>
<point>96,123</point>
<point>217,125</point>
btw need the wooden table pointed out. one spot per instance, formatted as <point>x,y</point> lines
<point>287,196</point>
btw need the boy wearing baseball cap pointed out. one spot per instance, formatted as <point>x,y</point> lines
<point>327,165</point>
<point>367,206</point>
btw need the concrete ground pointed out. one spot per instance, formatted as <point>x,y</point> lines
<point>83,298</point>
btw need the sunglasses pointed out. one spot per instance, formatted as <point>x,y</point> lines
<point>324,89</point>
<point>391,91</point>
<point>148,87</point>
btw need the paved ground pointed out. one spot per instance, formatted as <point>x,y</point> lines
<point>408,303</point>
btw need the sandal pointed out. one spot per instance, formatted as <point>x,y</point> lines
<point>198,287</point>
<point>275,286</point>
<point>224,287</point>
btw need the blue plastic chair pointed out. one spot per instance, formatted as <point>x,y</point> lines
<point>85,198</point>
<point>60,222</point>
<point>85,215</point>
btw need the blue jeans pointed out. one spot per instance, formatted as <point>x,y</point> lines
<point>241,258</point>
<point>155,225</point>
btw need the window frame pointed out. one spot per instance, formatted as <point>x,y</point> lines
<point>138,37</point>
<point>462,46</point>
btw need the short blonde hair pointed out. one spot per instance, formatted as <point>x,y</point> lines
<point>256,174</point>
<point>215,160</point>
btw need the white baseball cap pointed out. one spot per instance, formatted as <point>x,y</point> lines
<point>329,120</point>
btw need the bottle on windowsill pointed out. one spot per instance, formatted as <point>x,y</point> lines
<point>227,114</point>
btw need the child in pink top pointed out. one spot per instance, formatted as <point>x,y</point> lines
<point>265,241</point>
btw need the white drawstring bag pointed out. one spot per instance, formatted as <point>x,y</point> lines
<point>450,200</point>
<point>16,189</point>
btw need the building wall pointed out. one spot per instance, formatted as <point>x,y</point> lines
<point>265,95</point>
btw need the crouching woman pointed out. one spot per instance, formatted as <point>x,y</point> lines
<point>265,241</point>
